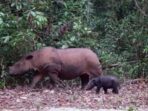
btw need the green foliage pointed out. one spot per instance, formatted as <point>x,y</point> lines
<point>131,109</point>
<point>123,33</point>
<point>116,30</point>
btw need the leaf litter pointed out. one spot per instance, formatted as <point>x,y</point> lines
<point>130,95</point>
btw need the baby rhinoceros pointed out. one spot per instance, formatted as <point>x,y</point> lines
<point>105,82</point>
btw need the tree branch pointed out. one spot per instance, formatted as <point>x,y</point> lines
<point>137,5</point>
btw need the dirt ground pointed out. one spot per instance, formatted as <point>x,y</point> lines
<point>131,96</point>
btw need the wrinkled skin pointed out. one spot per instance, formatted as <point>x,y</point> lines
<point>105,82</point>
<point>59,64</point>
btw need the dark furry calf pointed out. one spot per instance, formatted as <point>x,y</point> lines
<point>105,82</point>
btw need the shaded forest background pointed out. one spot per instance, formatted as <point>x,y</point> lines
<point>117,30</point>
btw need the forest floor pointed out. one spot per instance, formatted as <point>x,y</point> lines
<point>133,97</point>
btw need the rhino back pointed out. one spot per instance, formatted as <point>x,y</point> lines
<point>107,81</point>
<point>46,55</point>
<point>76,61</point>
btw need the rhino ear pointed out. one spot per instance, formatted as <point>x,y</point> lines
<point>29,57</point>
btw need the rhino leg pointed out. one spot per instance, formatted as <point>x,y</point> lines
<point>53,70</point>
<point>115,89</point>
<point>36,79</point>
<point>98,89</point>
<point>105,90</point>
<point>55,80</point>
<point>84,80</point>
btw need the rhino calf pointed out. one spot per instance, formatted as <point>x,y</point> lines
<point>105,82</point>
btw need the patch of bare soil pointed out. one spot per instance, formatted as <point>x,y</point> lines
<point>131,95</point>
